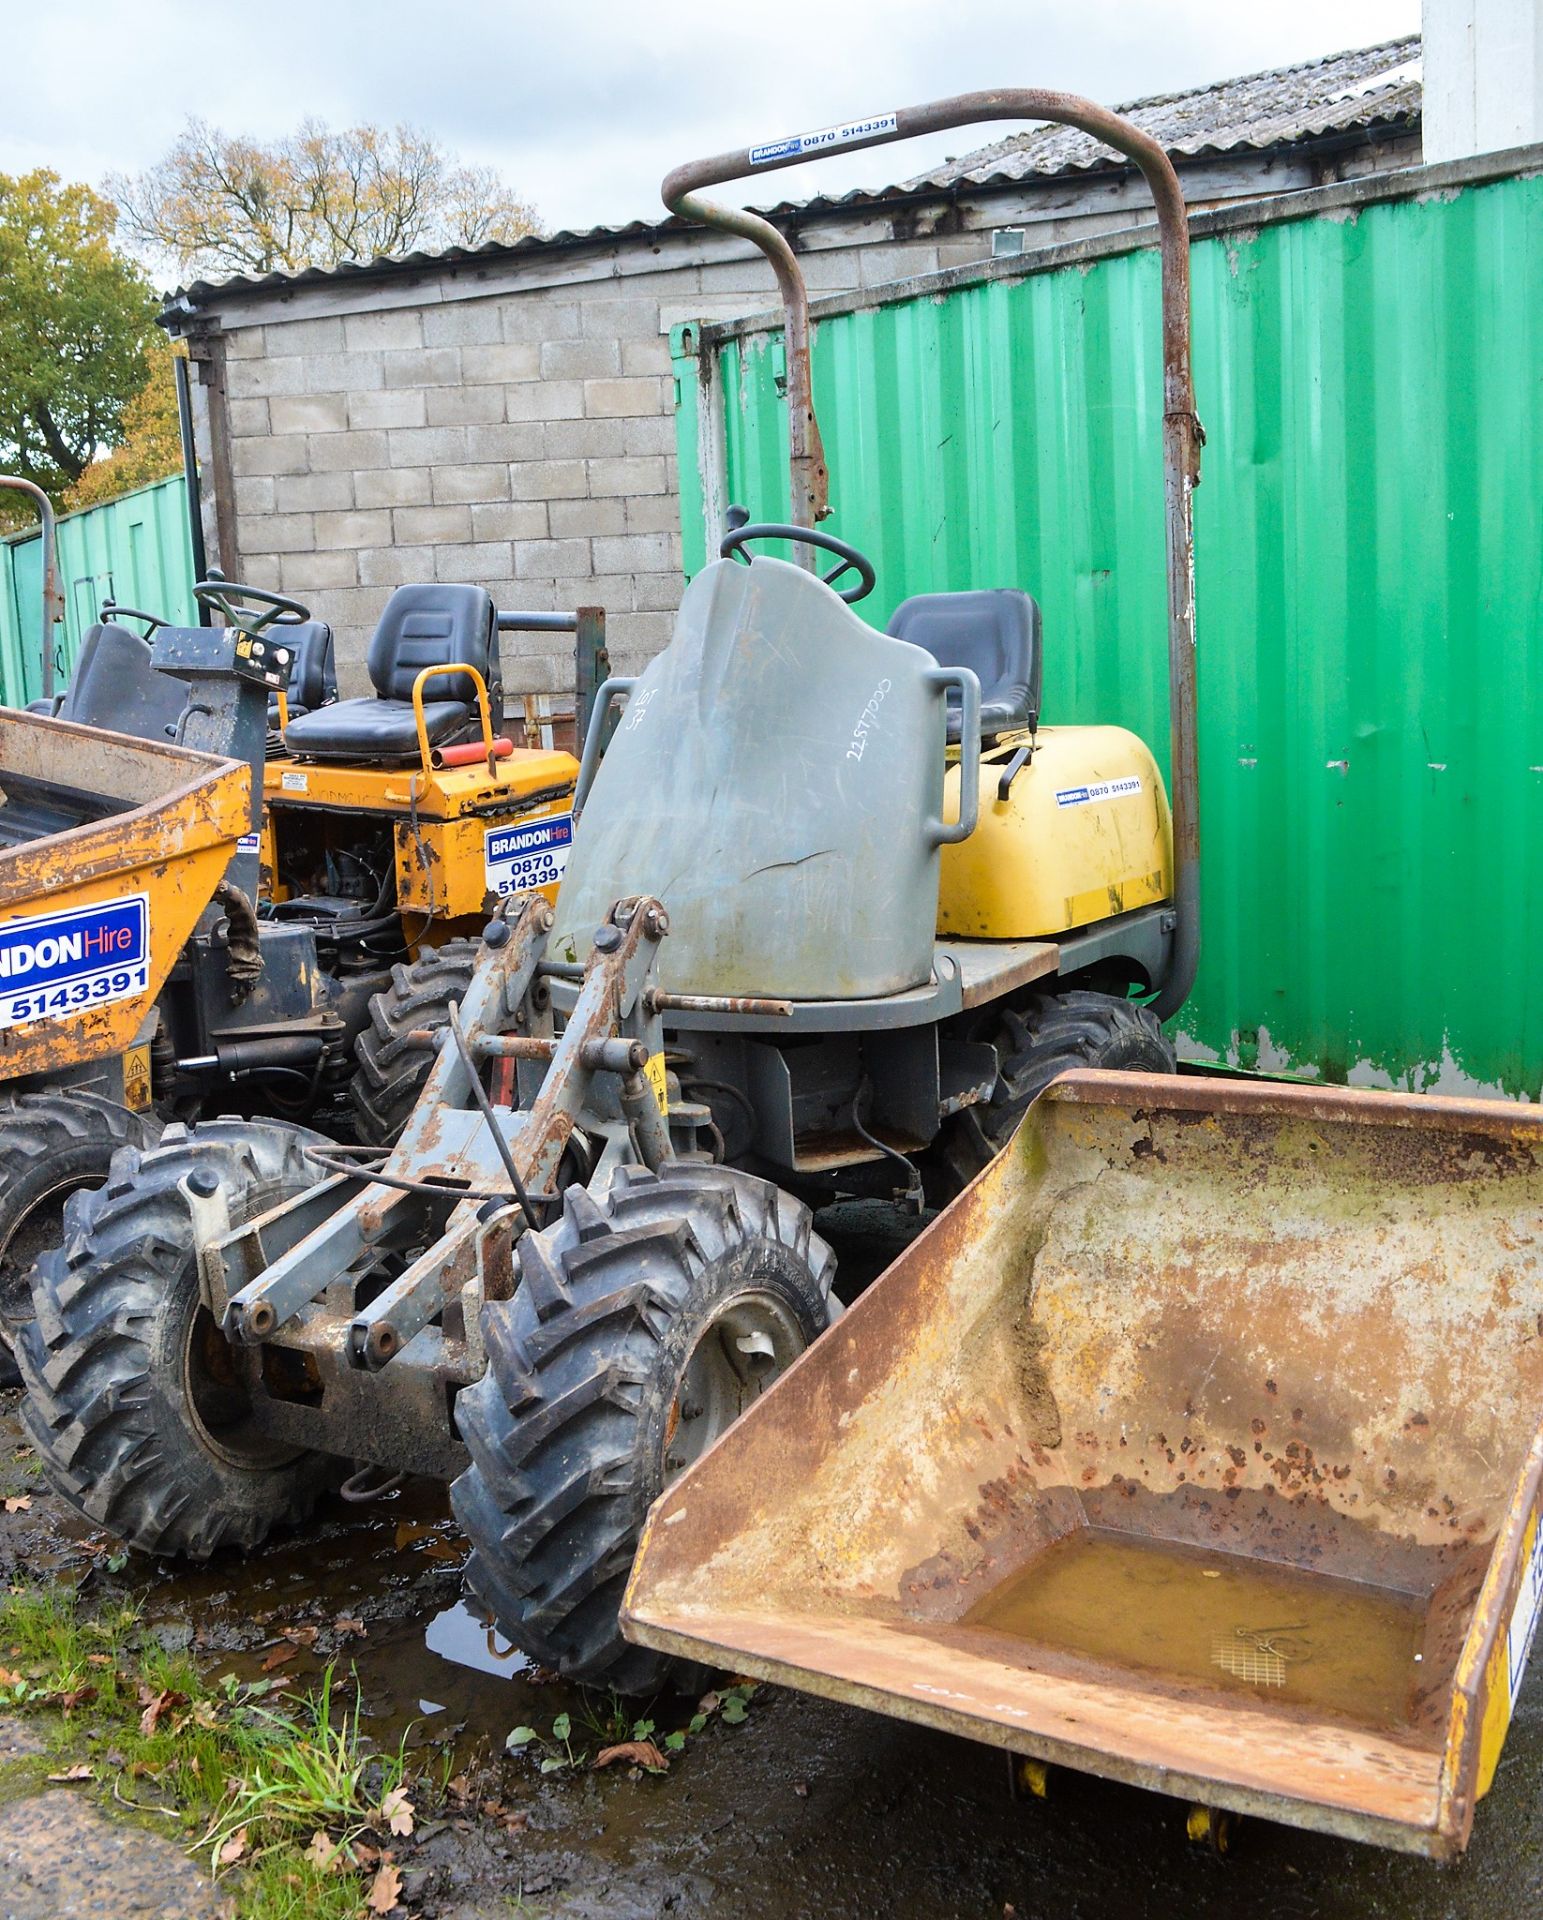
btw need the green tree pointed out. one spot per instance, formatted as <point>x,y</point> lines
<point>77,333</point>
<point>152,439</point>
<point>220,204</point>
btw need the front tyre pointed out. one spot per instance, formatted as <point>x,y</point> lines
<point>646,1320</point>
<point>53,1142</point>
<point>135,1405</point>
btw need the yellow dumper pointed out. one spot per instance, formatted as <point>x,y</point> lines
<point>110,849</point>
<point>1196,1445</point>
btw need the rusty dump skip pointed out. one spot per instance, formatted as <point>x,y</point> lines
<point>1196,1445</point>
<point>93,824</point>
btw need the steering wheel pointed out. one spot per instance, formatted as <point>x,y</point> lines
<point>229,598</point>
<point>111,611</point>
<point>733,542</point>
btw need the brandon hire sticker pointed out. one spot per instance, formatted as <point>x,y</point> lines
<point>1100,790</point>
<point>56,964</point>
<point>823,140</point>
<point>532,854</point>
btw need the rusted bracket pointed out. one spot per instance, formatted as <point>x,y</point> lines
<point>608,1031</point>
<point>446,1146</point>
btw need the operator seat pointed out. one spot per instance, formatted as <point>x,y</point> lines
<point>422,626</point>
<point>313,679</point>
<point>996,633</point>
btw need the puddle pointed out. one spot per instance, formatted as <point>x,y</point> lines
<point>376,1590</point>
<point>459,1636</point>
<point>1274,1632</point>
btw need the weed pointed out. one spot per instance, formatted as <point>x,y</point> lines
<point>249,1783</point>
<point>310,1776</point>
<point>609,1725</point>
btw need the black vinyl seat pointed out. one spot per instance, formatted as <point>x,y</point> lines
<point>422,626</point>
<point>313,679</point>
<point>996,633</point>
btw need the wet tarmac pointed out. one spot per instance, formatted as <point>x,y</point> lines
<point>804,1811</point>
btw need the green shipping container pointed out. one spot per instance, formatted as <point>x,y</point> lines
<point>136,549</point>
<point>1369,369</point>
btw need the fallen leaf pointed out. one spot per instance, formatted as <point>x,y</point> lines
<point>494,1809</point>
<point>385,1889</point>
<point>76,1697</point>
<point>206,1714</point>
<point>458,1789</point>
<point>324,1853</point>
<point>19,1503</point>
<point>233,1848</point>
<point>99,1660</point>
<point>278,1657</point>
<point>302,1636</point>
<point>78,1772</point>
<point>10,1679</point>
<point>641,1753</point>
<point>345,1623</point>
<point>397,1811</point>
<point>156,1705</point>
<point>365,1854</point>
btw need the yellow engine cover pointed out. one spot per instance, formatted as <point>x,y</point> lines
<point>1084,833</point>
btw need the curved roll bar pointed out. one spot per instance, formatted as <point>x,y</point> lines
<point>53,596</point>
<point>1183,436</point>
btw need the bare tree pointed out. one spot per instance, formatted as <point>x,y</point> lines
<point>223,204</point>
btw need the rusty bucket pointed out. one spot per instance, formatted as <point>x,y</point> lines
<point>1196,1445</point>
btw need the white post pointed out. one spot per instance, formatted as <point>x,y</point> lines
<point>1483,76</point>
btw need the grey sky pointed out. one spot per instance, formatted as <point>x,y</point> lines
<point>583,108</point>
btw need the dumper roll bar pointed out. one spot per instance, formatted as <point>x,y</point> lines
<point>53,596</point>
<point>1182,432</point>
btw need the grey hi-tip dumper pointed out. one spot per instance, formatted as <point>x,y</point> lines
<point>592,1246</point>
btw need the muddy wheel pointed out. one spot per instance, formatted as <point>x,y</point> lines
<point>645,1321</point>
<point>390,1072</point>
<point>1046,1037</point>
<point>134,1405</point>
<point>52,1143</point>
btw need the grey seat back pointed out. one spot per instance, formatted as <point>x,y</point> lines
<point>771,780</point>
<point>114,686</point>
<point>996,633</point>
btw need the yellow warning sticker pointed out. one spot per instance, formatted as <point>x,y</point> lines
<point>136,1078</point>
<point>656,1079</point>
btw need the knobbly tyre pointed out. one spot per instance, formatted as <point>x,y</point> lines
<point>813,938</point>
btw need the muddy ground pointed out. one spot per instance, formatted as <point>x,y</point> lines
<point>804,1809</point>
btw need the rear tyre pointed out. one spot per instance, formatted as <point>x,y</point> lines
<point>52,1143</point>
<point>1038,1042</point>
<point>134,1403</point>
<point>645,1321</point>
<point>391,1071</point>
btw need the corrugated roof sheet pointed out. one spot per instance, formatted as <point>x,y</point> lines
<point>1372,86</point>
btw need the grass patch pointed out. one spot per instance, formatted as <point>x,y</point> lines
<point>281,1794</point>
